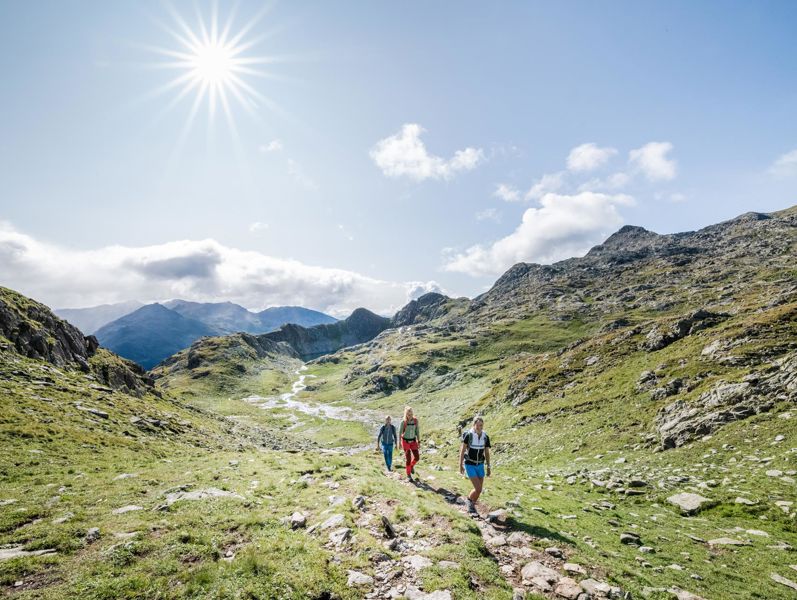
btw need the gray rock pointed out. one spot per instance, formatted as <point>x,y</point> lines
<point>568,588</point>
<point>689,503</point>
<point>92,535</point>
<point>298,520</point>
<point>357,579</point>
<point>201,495</point>
<point>574,568</point>
<point>726,541</point>
<point>333,521</point>
<point>17,551</point>
<point>418,562</point>
<point>537,569</point>
<point>631,539</point>
<point>783,581</point>
<point>126,509</point>
<point>340,536</point>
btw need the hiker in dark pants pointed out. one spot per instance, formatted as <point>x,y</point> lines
<point>475,451</point>
<point>388,439</point>
<point>410,440</point>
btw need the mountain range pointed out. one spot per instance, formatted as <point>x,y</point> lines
<point>224,317</point>
<point>149,333</point>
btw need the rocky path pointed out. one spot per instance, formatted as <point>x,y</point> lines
<point>397,572</point>
<point>526,569</point>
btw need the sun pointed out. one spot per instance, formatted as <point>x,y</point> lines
<point>213,66</point>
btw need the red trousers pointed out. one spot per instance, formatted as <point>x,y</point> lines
<point>412,456</point>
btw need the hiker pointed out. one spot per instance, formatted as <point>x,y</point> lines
<point>410,439</point>
<point>476,451</point>
<point>388,439</point>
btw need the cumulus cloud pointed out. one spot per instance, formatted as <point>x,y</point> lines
<point>507,193</point>
<point>257,226</point>
<point>588,157</point>
<point>199,270</point>
<point>785,165</point>
<point>419,288</point>
<point>651,160</point>
<point>563,226</point>
<point>404,154</point>
<point>550,182</point>
<point>615,181</point>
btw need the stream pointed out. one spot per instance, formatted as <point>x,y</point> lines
<point>288,401</point>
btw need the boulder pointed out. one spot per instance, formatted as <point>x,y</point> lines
<point>537,569</point>
<point>357,579</point>
<point>689,503</point>
<point>568,588</point>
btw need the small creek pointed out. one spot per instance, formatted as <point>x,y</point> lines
<point>288,401</point>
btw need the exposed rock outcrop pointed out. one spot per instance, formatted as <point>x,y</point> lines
<point>680,422</point>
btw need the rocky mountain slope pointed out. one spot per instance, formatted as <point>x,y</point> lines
<point>128,493</point>
<point>656,365</point>
<point>362,325</point>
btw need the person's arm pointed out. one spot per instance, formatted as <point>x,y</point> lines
<point>462,450</point>
<point>487,457</point>
<point>395,436</point>
<point>379,437</point>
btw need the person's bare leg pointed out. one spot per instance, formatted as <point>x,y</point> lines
<point>477,488</point>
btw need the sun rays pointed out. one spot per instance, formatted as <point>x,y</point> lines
<point>214,67</point>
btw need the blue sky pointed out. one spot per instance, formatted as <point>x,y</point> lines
<point>372,171</point>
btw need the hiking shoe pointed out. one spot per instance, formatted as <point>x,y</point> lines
<point>472,508</point>
<point>410,479</point>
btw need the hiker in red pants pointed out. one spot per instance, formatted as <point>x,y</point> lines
<point>410,435</point>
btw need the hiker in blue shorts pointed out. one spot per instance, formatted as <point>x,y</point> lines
<point>388,440</point>
<point>475,451</point>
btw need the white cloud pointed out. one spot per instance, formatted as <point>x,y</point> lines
<point>550,182</point>
<point>199,270</point>
<point>300,177</point>
<point>506,192</point>
<point>785,165</point>
<point>258,226</point>
<point>651,159</point>
<point>404,154</point>
<point>489,214</point>
<point>272,146</point>
<point>588,157</point>
<point>615,181</point>
<point>563,226</point>
<point>419,288</point>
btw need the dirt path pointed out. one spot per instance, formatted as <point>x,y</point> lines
<point>523,567</point>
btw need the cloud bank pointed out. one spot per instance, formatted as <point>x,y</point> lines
<point>198,270</point>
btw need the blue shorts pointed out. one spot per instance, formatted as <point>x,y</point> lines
<point>475,470</point>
